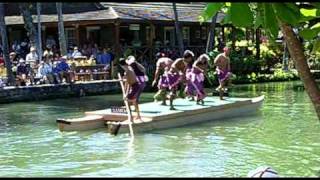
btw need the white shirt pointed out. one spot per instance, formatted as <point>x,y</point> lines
<point>31,58</point>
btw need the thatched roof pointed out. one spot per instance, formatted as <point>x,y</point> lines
<point>142,11</point>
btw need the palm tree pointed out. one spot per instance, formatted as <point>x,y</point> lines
<point>178,30</point>
<point>39,31</point>
<point>5,46</point>
<point>62,38</point>
<point>210,42</point>
<point>25,10</point>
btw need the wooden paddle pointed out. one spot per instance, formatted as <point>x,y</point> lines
<point>127,105</point>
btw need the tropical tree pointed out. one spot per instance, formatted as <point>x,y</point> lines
<point>272,17</point>
<point>39,31</point>
<point>25,10</point>
<point>210,42</point>
<point>62,38</point>
<point>5,46</point>
<point>178,29</point>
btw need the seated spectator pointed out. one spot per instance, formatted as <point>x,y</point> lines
<point>64,70</point>
<point>49,59</point>
<point>32,58</point>
<point>24,48</point>
<point>3,75</point>
<point>13,58</point>
<point>1,58</point>
<point>76,52</point>
<point>22,73</point>
<point>104,58</point>
<point>69,54</point>
<point>45,74</point>
<point>55,72</point>
<point>85,51</point>
<point>48,51</point>
<point>14,69</point>
<point>92,61</point>
<point>94,50</point>
<point>55,49</point>
<point>56,57</point>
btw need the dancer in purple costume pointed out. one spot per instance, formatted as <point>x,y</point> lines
<point>189,89</point>
<point>132,86</point>
<point>199,68</point>
<point>223,70</point>
<point>140,72</point>
<point>162,67</point>
<point>176,74</point>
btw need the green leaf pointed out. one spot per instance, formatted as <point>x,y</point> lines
<point>306,18</point>
<point>309,34</point>
<point>270,22</point>
<point>258,21</point>
<point>316,46</point>
<point>241,15</point>
<point>210,10</point>
<point>308,12</point>
<point>316,26</point>
<point>286,14</point>
<point>227,18</point>
<point>315,4</point>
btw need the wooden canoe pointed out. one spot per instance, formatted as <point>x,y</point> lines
<point>156,116</point>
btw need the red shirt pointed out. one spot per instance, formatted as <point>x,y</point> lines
<point>1,60</point>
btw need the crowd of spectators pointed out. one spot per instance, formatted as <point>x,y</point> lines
<point>50,68</point>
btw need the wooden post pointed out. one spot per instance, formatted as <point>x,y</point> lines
<point>62,38</point>
<point>5,47</point>
<point>210,42</point>
<point>43,35</point>
<point>223,38</point>
<point>117,48</point>
<point>39,32</point>
<point>178,29</point>
<point>258,43</point>
<point>130,119</point>
<point>152,35</point>
<point>233,35</point>
<point>77,35</point>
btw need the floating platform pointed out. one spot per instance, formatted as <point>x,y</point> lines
<point>156,116</point>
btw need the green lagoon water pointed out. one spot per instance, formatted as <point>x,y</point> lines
<point>285,134</point>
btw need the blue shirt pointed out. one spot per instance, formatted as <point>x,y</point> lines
<point>62,66</point>
<point>104,58</point>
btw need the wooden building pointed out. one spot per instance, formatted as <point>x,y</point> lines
<point>141,26</point>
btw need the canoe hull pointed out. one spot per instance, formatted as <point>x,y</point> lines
<point>117,123</point>
<point>210,115</point>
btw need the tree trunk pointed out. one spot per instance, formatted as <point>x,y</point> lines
<point>28,23</point>
<point>62,38</point>
<point>258,44</point>
<point>296,52</point>
<point>5,46</point>
<point>39,32</point>
<point>233,38</point>
<point>285,57</point>
<point>210,42</point>
<point>178,30</point>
